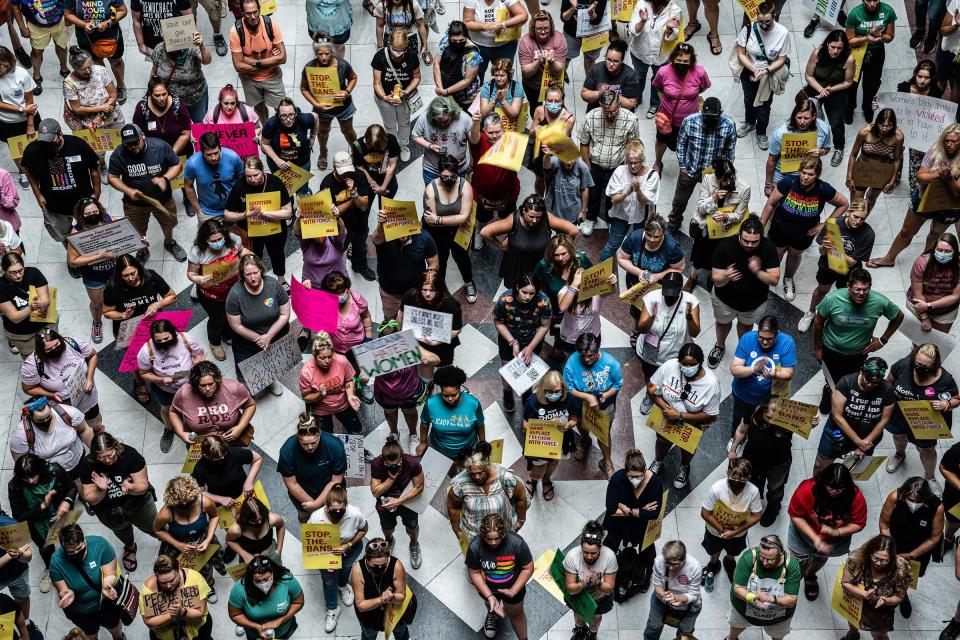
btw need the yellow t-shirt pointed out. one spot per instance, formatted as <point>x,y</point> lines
<point>193,590</point>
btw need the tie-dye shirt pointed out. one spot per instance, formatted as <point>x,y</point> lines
<point>799,207</point>
<point>501,566</point>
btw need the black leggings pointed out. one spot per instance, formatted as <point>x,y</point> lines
<point>217,327</point>
<point>870,78</point>
<point>274,246</point>
<point>834,106</point>
<point>46,552</point>
<point>443,238</point>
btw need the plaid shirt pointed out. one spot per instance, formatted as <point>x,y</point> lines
<point>698,148</point>
<point>606,140</point>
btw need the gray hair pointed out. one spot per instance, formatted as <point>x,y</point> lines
<point>79,57</point>
<point>322,43</point>
<point>441,106</point>
<point>674,550</point>
<point>492,118</point>
<point>608,97</point>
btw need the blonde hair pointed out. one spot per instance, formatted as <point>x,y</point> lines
<point>858,204</point>
<point>479,458</point>
<point>337,493</point>
<point>938,154</point>
<point>551,378</point>
<point>399,38</point>
<point>321,342</point>
<point>181,491</point>
<point>634,148</point>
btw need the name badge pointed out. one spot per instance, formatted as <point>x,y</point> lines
<point>74,159</point>
<point>152,126</point>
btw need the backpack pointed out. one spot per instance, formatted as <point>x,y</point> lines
<point>244,116</point>
<point>183,339</point>
<point>630,574</point>
<point>70,342</point>
<point>28,427</point>
<point>242,32</point>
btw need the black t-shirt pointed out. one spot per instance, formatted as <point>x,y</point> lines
<point>749,292</point>
<point>501,566</point>
<point>224,478</point>
<point>340,194</point>
<point>799,209</point>
<point>375,162</point>
<point>405,69</point>
<point>767,445</point>
<point>152,289</point>
<point>400,262</point>
<point>570,26</point>
<point>63,175</point>
<point>600,79</point>
<point>857,243</point>
<point>446,305</point>
<point>19,294</point>
<point>951,462</point>
<point>137,171</point>
<point>863,409</point>
<point>291,143</point>
<point>128,462</point>
<point>906,388</point>
<point>237,200</point>
<point>8,604</point>
<point>152,12</point>
<point>344,71</point>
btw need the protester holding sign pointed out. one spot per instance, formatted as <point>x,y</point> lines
<point>183,70</point>
<point>487,21</point>
<point>25,120</point>
<point>90,97</point>
<point>829,73</point>
<point>872,24</point>
<point>354,322</point>
<point>769,451</point>
<point>265,600</point>
<point>877,574</point>
<point>135,291</point>
<point>174,600</point>
<point>522,318</point>
<point>654,27</point>
<point>880,143</point>
<point>590,568</point>
<point>352,198</point>
<point>380,588</point>
<point>555,272</point>
<point>431,294</point>
<point>763,365</point>
<point>934,294</point>
<point>327,384</point>
<point>401,390</point>
<point>803,119</point>
<point>764,589</point>
<point>495,188</point>
<point>212,405</point>
<point>553,402</point>
<point>730,508</point>
<point>676,591</point>
<point>339,106</point>
<point>95,269</point>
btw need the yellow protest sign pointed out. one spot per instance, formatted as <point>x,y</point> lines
<point>955,511</point>
<point>53,533</point>
<point>541,574</point>
<point>794,148</point>
<point>849,607</point>
<point>750,8</point>
<point>914,574</point>
<point>324,83</point>
<point>511,124</point>
<point>925,422</point>
<point>270,201</point>
<point>465,230</point>
<point>464,542</point>
<point>667,46</point>
<point>228,515</point>
<point>726,517</point>
<point>100,140</point>
<point>50,314</point>
<point>542,440</point>
<point>634,295</point>
<point>195,559</point>
<point>293,177</point>
<point>220,272</point>
<point>177,183</point>
<point>193,454</point>
<point>318,541</point>
<point>594,42</point>
<point>268,7</point>
<point>717,230</point>
<point>548,78</point>
<point>836,257</point>
<point>394,611</point>
<point>316,219</point>
<point>555,137</point>
<point>236,571</point>
<point>507,152</point>
<point>655,527</point>
<point>622,10</point>
<point>794,416</point>
<point>597,422</point>
<point>858,54</point>
<point>496,451</point>
<point>595,281</point>
<point>17,144</point>
<point>509,34</point>
<point>8,622</point>
<point>684,435</point>
<point>863,469</point>
<point>402,220</point>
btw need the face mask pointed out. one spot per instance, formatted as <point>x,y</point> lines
<point>218,245</point>
<point>43,425</point>
<point>265,585</point>
<point>336,514</point>
<point>343,297</point>
<point>396,54</point>
<point>553,397</point>
<point>76,557</point>
<point>922,368</point>
<point>94,219</point>
<point>671,301</point>
<point>166,344</point>
<point>766,27</point>
<point>681,67</point>
<point>711,123</point>
<point>689,372</point>
<point>636,482</point>
<point>553,107</point>
<point>736,485</point>
<point>377,569</point>
<point>456,46</point>
<point>913,506</point>
<point>943,257</point>
<point>448,180</point>
<point>57,351</point>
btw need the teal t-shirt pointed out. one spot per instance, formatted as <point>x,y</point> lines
<point>272,607</point>
<point>862,22</point>
<point>779,581</point>
<point>452,428</point>
<point>849,327</point>
<point>99,553</point>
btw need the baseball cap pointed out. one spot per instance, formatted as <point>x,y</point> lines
<point>671,284</point>
<point>49,130</point>
<point>130,134</point>
<point>342,163</point>
<point>711,107</point>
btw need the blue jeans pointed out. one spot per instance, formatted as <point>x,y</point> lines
<point>334,578</point>
<point>641,69</point>
<point>758,116</point>
<point>506,50</point>
<point>618,231</point>
<point>688,618</point>
<point>198,109</point>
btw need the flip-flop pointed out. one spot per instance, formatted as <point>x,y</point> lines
<point>716,47</point>
<point>130,558</point>
<point>691,30</point>
<point>873,263</point>
<point>548,491</point>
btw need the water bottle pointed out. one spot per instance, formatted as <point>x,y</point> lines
<point>708,580</point>
<point>269,633</point>
<point>384,500</point>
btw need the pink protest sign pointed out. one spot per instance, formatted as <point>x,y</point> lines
<point>238,137</point>
<point>317,310</point>
<point>142,334</point>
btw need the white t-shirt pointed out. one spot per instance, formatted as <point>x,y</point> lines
<point>647,45</point>
<point>486,13</point>
<point>630,208</point>
<point>951,42</point>
<point>671,334</point>
<point>748,501</point>
<point>351,522</point>
<point>776,42</point>
<point>13,86</point>
<point>685,582</point>
<point>591,574</point>
<point>59,444</point>
<point>703,395</point>
<point>175,362</point>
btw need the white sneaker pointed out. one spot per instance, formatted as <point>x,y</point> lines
<point>789,289</point>
<point>275,388</point>
<point>743,129</point>
<point>414,440</point>
<point>894,462</point>
<point>404,154</point>
<point>346,595</point>
<point>240,631</point>
<point>935,487</point>
<point>586,227</point>
<point>331,622</point>
<point>45,582</point>
<point>804,325</point>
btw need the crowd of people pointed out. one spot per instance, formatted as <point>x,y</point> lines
<point>498,70</point>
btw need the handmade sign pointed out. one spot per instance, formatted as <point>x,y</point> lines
<point>178,32</point>
<point>920,118</point>
<point>46,315</point>
<point>849,607</point>
<point>180,319</point>
<point>465,230</point>
<point>220,272</point>
<point>386,354</point>
<point>717,230</point>
<point>318,541</point>
<point>872,173</point>
<point>293,177</point>
<point>435,466</point>
<point>316,217</point>
<point>118,237</point>
<point>836,257</point>
<point>100,140</point>
<point>324,84</point>
<point>510,33</point>
<point>262,369</point>
<point>924,421</point>
<point>585,26</point>
<point>427,324</point>
<point>542,439</point>
<point>863,469</point>
<point>193,455</point>
<point>541,574</point>
<point>634,295</point>
<point>794,148</point>
<point>259,226</point>
<point>507,152</point>
<point>228,515</point>
<point>14,536</point>
<point>316,309</point>
<point>75,386</point>
<point>237,571</point>
<point>595,281</point>
<point>938,197</point>
<point>655,527</point>
<point>596,421</point>
<point>157,603</point>
<point>394,611</point>
<point>16,145</point>
<point>353,448</point>
<point>402,219</point>
<point>794,416</point>
<point>193,558</point>
<point>520,376</point>
<point>684,435</point>
<point>53,533</point>
<point>239,137</point>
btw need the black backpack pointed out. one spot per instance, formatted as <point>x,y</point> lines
<point>242,32</point>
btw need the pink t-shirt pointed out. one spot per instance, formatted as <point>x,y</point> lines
<point>694,83</point>
<point>236,118</point>
<point>531,50</point>
<point>176,362</point>
<point>333,380</point>
<point>350,330</point>
<point>57,374</point>
<point>211,415</point>
<point>939,286</point>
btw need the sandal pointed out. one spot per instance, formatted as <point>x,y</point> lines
<point>605,468</point>
<point>548,491</point>
<point>580,453</point>
<point>130,558</point>
<point>140,389</point>
<point>690,30</point>
<point>532,488</point>
<point>874,263</point>
<point>811,588</point>
<point>427,58</point>
<point>716,47</point>
<point>322,162</point>
<point>368,7</point>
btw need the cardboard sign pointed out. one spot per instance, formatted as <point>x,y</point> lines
<point>542,440</point>
<point>750,8</point>
<point>195,559</point>
<point>394,611</point>
<point>667,46</point>
<point>863,469</point>
<point>259,227</point>
<point>156,604</point>
<point>228,515</point>
<point>100,140</point>
<point>427,324</point>
<point>586,28</point>
<point>402,219</point>
<point>914,574</point>
<point>465,230</point>
<point>875,174</point>
<point>548,78</point>
<point>293,177</point>
<point>177,183</point>
<point>318,541</point>
<point>221,272</point>
<point>859,53</point>
<point>180,319</point>
<point>655,527</point>
<point>386,354</point>
<point>193,455</point>
<point>595,281</point>
<point>910,327</point>
<point>353,448</point>
<point>53,533</point>
<point>435,466</point>
<point>75,386</point>
<point>510,33</point>
<point>684,435</point>
<point>920,118</point>
<point>836,257</point>
<point>316,219</point>
<point>794,416</point>
<point>597,422</point>
<point>794,148</point>
<point>522,377</point>
<point>507,152</point>
<point>237,571</point>
<point>541,574</point>
<point>717,230</point>
<point>238,137</point>
<point>46,315</point>
<point>14,536</point>
<point>925,422</point>
<point>594,42</point>
<point>324,84</point>
<point>829,11</point>
<point>317,310</point>
<point>125,332</point>
<point>117,237</point>
<point>634,295</point>
<point>17,144</point>
<point>496,451</point>
<point>262,369</point>
<point>178,32</point>
<point>938,197</point>
<point>849,607</point>
<point>726,517</point>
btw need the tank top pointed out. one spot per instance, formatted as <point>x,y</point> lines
<point>256,546</point>
<point>451,209</point>
<point>526,247</point>
<point>830,74</point>
<point>192,531</point>
<point>909,529</point>
<point>878,150</point>
<point>373,586</point>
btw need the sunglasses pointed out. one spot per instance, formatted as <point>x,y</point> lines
<point>309,431</point>
<point>591,538</point>
<point>378,546</point>
<point>260,564</point>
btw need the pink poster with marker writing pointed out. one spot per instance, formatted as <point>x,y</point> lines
<point>317,310</point>
<point>180,319</point>
<point>238,137</point>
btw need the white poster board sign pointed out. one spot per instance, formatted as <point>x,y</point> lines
<point>521,377</point>
<point>828,10</point>
<point>389,353</point>
<point>353,446</point>
<point>910,327</point>
<point>427,324</point>
<point>261,370</point>
<point>125,333</point>
<point>921,118</point>
<point>117,237</point>
<point>584,28</point>
<point>75,385</point>
<point>435,466</point>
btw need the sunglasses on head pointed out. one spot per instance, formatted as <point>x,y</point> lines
<point>308,431</point>
<point>592,538</point>
<point>260,564</point>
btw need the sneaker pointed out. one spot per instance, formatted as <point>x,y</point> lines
<point>656,466</point>
<point>848,118</point>
<point>836,158</point>
<point>174,249</point>
<point>935,487</point>
<point>38,88</point>
<point>45,582</point>
<point>331,622</point>
<point>804,324</point>
<point>218,352</point>
<point>769,517</point>
<point>586,227</point>
<point>367,455</point>
<point>811,28</point>
<point>275,388</point>
<point>789,289</point>
<point>212,596</point>
<point>470,290</point>
<point>143,255</point>
<point>346,595</point>
<point>366,393</point>
<point>367,273</point>
<point>652,113</point>
<point>683,476</point>
<point>23,179</point>
<point>166,440</point>
<point>917,38</point>
<point>416,557</point>
<point>646,404</point>
<point>744,128</point>
<point>508,402</point>
<point>894,462</point>
<point>121,95</point>
<point>763,141</point>
<point>906,608</point>
<point>404,153</point>
<point>930,44</point>
<point>414,440</point>
<point>220,43</point>
<point>23,57</point>
<point>490,625</point>
<point>13,348</point>
<point>74,272</point>
<point>96,333</point>
<point>951,631</point>
<point>579,633</point>
<point>240,631</point>
<point>716,356</point>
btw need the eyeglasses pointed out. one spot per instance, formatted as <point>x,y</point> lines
<point>15,272</point>
<point>309,431</point>
<point>880,560</point>
<point>252,14</point>
<point>765,23</point>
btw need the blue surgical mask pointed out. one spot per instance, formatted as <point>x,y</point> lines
<point>689,372</point>
<point>343,297</point>
<point>553,397</point>
<point>218,245</point>
<point>553,107</point>
<point>943,257</point>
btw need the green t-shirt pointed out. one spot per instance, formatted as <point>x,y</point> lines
<point>766,581</point>
<point>849,327</point>
<point>272,607</point>
<point>99,553</point>
<point>862,22</point>
<point>551,282</point>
